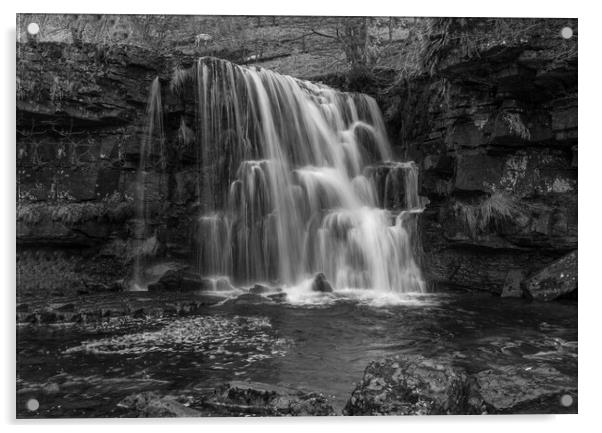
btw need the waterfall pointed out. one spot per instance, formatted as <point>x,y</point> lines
<point>296,178</point>
<point>151,145</point>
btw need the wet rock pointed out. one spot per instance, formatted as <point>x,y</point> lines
<point>221,284</point>
<point>260,289</point>
<point>513,389</point>
<point>117,286</point>
<point>48,316</point>
<point>171,280</point>
<point>557,279</point>
<point>321,284</point>
<point>192,283</point>
<point>278,297</point>
<point>69,308</point>
<point>259,399</point>
<point>50,388</point>
<point>152,405</point>
<point>412,385</point>
<point>512,288</point>
<point>156,287</point>
<point>250,299</point>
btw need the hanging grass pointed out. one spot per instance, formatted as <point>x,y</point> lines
<point>516,125</point>
<point>179,78</point>
<point>491,212</point>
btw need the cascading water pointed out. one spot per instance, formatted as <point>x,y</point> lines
<point>295,179</point>
<point>153,143</point>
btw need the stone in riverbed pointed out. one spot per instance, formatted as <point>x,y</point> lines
<point>412,385</point>
<point>260,289</point>
<point>250,299</point>
<point>557,279</point>
<point>321,284</point>
<point>151,405</point>
<point>415,385</point>
<point>512,288</point>
<point>512,389</point>
<point>260,399</point>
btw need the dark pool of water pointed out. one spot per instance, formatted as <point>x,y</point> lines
<point>84,371</point>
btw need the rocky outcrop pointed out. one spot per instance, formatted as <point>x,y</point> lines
<point>237,398</point>
<point>108,306</point>
<point>414,385</point>
<point>495,135</point>
<point>411,386</point>
<point>81,115</point>
<point>555,280</point>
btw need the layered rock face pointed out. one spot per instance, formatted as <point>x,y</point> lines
<point>80,122</point>
<point>496,139</point>
<point>494,136</point>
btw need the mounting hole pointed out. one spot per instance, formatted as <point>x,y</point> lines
<point>32,404</point>
<point>566,32</point>
<point>33,28</point>
<point>566,400</point>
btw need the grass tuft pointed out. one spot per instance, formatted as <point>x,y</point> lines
<point>491,212</point>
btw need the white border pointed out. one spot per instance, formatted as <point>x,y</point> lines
<point>589,214</point>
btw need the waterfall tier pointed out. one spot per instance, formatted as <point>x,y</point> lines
<point>296,178</point>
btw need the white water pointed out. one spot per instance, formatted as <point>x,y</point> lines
<point>295,179</point>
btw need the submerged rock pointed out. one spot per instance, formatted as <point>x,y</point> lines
<point>321,284</point>
<point>412,385</point>
<point>557,279</point>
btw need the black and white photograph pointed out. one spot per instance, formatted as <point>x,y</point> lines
<point>295,215</point>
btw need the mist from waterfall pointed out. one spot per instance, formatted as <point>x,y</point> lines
<point>296,178</point>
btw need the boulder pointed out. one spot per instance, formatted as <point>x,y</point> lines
<point>514,389</point>
<point>260,399</point>
<point>170,280</point>
<point>260,289</point>
<point>321,284</point>
<point>250,299</point>
<point>413,385</point>
<point>152,405</point>
<point>222,284</point>
<point>557,279</point>
<point>512,288</point>
<point>278,297</point>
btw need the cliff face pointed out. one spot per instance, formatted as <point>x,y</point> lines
<point>80,122</point>
<point>495,136</point>
<point>496,139</point>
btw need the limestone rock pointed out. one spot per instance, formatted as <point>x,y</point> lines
<point>412,385</point>
<point>514,389</point>
<point>260,399</point>
<point>152,405</point>
<point>512,288</point>
<point>321,284</point>
<point>557,279</point>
